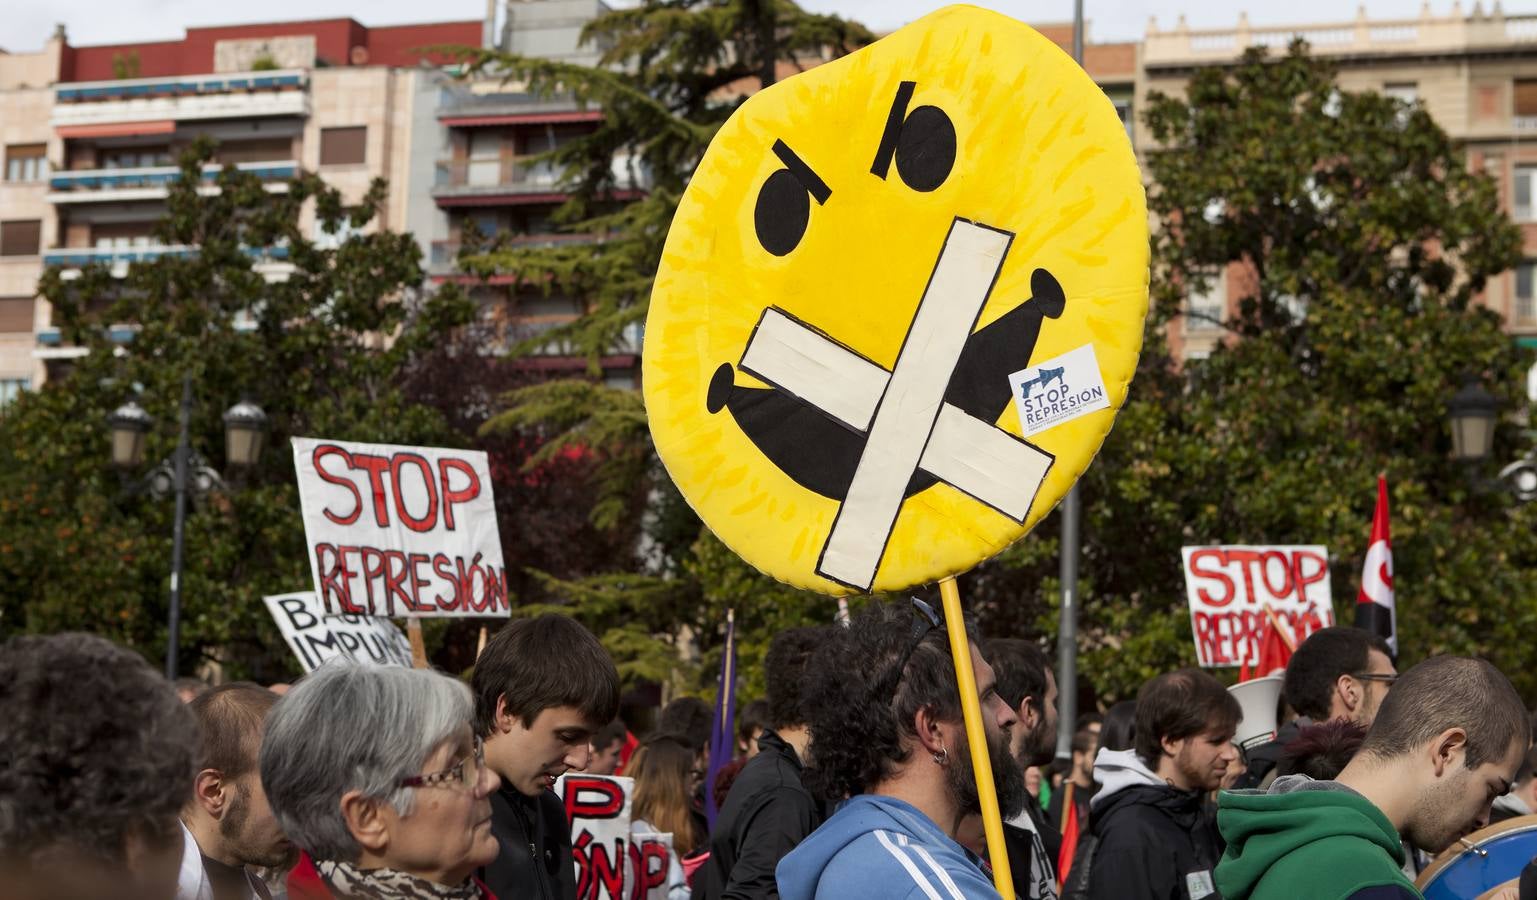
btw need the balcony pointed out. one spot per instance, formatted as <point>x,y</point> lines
<point>490,105</point>
<point>499,182</point>
<point>110,185</point>
<point>270,261</point>
<point>82,108</point>
<point>1183,46</point>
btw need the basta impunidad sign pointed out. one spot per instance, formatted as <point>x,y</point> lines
<point>400,531</point>
<point>1231,587</point>
<point>316,637</point>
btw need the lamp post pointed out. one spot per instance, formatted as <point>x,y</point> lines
<point>245,431</point>
<point>1067,621</point>
<point>1472,412</point>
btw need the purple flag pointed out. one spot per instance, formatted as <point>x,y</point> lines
<point>722,730</point>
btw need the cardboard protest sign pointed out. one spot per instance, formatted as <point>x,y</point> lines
<point>400,531</point>
<point>1230,588</point>
<point>612,862</point>
<point>316,637</point>
<point>879,266</point>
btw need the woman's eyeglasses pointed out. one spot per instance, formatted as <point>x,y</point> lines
<point>460,773</point>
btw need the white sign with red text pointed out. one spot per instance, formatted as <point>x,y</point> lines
<point>1234,590</point>
<point>400,531</point>
<point>614,861</point>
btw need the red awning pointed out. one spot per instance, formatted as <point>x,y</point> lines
<point>590,115</point>
<point>117,129</point>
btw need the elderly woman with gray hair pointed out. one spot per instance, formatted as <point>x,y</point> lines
<point>375,774</point>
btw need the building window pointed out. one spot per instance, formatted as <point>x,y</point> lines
<point>1526,293</point>
<point>1524,103</point>
<point>1526,182</point>
<point>343,146</point>
<point>11,388</point>
<point>26,162</point>
<point>21,237</point>
<point>1206,308</point>
<point>16,315</point>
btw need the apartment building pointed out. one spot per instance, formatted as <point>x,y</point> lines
<point>91,135</point>
<point>1475,74</point>
<point>489,179</point>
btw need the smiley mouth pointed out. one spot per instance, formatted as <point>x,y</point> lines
<point>826,404</point>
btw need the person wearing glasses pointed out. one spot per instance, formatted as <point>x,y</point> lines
<point>1445,743</point>
<point>1337,673</point>
<point>376,775</point>
<point>888,741</point>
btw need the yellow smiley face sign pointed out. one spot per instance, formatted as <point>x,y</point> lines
<point>899,306</point>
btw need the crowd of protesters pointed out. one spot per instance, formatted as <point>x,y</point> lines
<point>853,776</point>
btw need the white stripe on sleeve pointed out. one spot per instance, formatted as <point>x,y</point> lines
<point>907,864</point>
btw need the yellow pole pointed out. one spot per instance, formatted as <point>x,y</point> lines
<point>976,736</point>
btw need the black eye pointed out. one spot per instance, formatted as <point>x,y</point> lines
<point>784,202</point>
<point>922,143</point>
<point>783,210</point>
<point>926,149</point>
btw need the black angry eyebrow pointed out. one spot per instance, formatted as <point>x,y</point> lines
<point>888,146</point>
<point>809,180</point>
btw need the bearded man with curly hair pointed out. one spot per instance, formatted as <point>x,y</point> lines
<point>884,711</point>
<point>99,756</point>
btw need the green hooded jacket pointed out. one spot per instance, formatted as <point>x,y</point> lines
<point>1306,838</point>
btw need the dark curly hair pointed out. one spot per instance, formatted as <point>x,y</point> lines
<point>784,671</point>
<point>861,709</point>
<point>97,747</point>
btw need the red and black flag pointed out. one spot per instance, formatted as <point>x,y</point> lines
<point>1374,604</point>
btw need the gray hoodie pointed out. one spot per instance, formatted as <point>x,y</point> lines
<point>1117,770</point>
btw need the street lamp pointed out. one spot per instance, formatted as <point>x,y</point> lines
<point>245,431</point>
<point>129,424</point>
<point>1472,411</point>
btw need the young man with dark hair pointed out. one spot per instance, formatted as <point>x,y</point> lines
<point>768,811</point>
<point>606,745</point>
<point>99,756</point>
<point>227,826</point>
<point>1337,673</point>
<point>1155,838</point>
<point>1445,743</point>
<point>1027,684</point>
<point>884,709</point>
<point>543,687</point>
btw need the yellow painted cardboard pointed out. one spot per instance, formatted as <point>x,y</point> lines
<point>1039,151</point>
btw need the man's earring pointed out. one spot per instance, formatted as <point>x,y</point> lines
<point>942,756</point>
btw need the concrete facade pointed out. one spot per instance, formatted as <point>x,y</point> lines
<point>1476,75</point>
<point>112,120</point>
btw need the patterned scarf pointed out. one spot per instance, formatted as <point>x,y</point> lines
<point>350,881</point>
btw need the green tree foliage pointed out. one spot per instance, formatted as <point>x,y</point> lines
<point>672,71</point>
<point>1368,240</point>
<point>322,350</point>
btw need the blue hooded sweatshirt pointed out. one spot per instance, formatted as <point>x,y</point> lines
<point>881,847</point>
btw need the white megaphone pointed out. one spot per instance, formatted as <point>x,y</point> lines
<point>1257,698</point>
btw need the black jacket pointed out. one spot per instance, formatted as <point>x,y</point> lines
<point>767,813</point>
<point>1262,760</point>
<point>1033,879</point>
<point>1154,843</point>
<point>535,858</point>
